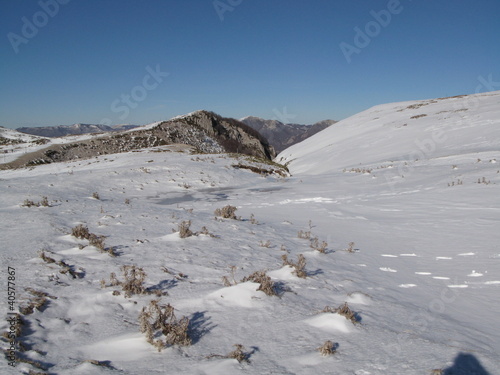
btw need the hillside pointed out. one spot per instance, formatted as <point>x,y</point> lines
<point>280,135</point>
<point>410,245</point>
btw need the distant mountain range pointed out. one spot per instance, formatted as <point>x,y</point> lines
<point>278,134</point>
<point>76,129</point>
<point>282,136</point>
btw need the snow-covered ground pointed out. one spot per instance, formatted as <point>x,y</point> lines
<point>424,276</point>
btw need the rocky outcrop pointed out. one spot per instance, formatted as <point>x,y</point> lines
<point>205,131</point>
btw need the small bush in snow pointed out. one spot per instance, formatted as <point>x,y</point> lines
<point>156,318</point>
<point>237,354</point>
<point>350,248</point>
<point>95,195</point>
<point>328,348</point>
<point>45,202</point>
<point>299,266</point>
<point>321,247</point>
<point>227,212</point>
<point>304,235</point>
<point>184,230</point>
<point>345,311</point>
<point>266,284</point>
<point>80,231</point>
<point>265,244</point>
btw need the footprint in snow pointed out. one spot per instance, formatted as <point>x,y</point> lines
<point>495,282</point>
<point>443,258</point>
<point>423,273</point>
<point>458,286</point>
<point>466,254</point>
<point>407,285</point>
<point>387,269</point>
<point>389,256</point>
<point>475,274</point>
<point>440,277</point>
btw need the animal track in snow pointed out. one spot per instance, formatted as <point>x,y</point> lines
<point>387,269</point>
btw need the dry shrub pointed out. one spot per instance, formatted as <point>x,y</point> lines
<point>80,231</point>
<point>105,364</point>
<point>343,310</point>
<point>227,212</point>
<point>226,281</point>
<point>95,195</point>
<point>184,230</point>
<point>304,235</point>
<point>30,203</point>
<point>437,372</point>
<point>317,246</point>
<point>299,266</point>
<point>266,284</point>
<point>156,318</point>
<point>237,354</point>
<point>45,258</point>
<point>134,280</point>
<point>45,202</point>
<point>328,348</point>
<point>350,248</point>
<point>265,244</point>
<point>253,220</point>
<point>38,302</point>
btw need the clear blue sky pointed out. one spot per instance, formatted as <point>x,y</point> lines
<point>269,58</point>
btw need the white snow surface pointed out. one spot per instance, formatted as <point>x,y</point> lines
<point>423,277</point>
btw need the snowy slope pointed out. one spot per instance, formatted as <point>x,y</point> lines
<point>424,276</point>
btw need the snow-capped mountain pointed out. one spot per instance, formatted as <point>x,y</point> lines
<point>280,135</point>
<point>75,129</point>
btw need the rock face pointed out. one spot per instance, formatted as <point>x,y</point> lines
<point>282,136</point>
<point>206,131</point>
<point>76,129</point>
<point>231,134</point>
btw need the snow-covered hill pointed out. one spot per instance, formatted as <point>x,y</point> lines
<point>422,276</point>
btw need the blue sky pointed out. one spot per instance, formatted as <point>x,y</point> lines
<point>91,61</point>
